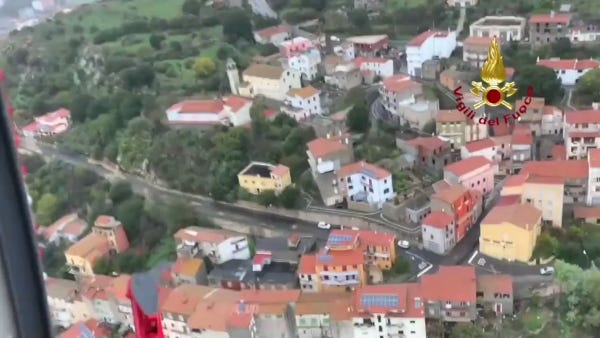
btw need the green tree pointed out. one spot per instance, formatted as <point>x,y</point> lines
<point>180,215</point>
<point>120,191</point>
<point>138,77</point>
<point>135,145</point>
<point>588,88</point>
<point>47,209</point>
<point>467,330</point>
<point>191,7</point>
<point>290,197</point>
<point>545,246</point>
<point>268,49</point>
<point>359,19</point>
<point>39,105</point>
<point>402,265</point>
<point>204,67</point>
<point>543,80</point>
<point>358,118</point>
<point>267,198</point>
<point>156,40</point>
<point>236,25</point>
<point>129,212</point>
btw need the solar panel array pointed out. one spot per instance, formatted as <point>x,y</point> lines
<point>337,239</point>
<point>368,172</point>
<point>380,300</point>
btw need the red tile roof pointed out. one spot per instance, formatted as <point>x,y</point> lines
<point>322,147</point>
<point>268,32</point>
<point>594,158</point>
<point>451,193</point>
<point>477,41</point>
<point>450,115</point>
<point>467,165</point>
<point>340,258</point>
<point>509,200</point>
<point>450,283</point>
<point>563,18</point>
<point>525,216</point>
<point>545,180</point>
<point>400,83</point>
<point>304,92</point>
<point>270,296</point>
<point>521,138</point>
<point>307,265</point>
<point>582,116</point>
<point>198,106</point>
<point>587,212</point>
<point>437,219</point>
<point>569,64</point>
<point>502,129</point>
<point>418,40</point>
<point>491,284</point>
<point>478,145</point>
<point>376,238</point>
<point>98,330</point>
<point>567,169</point>
<point>360,60</point>
<point>198,234</point>
<point>428,144</point>
<point>516,180</point>
<point>235,103</point>
<point>559,152</point>
<point>51,117</point>
<point>365,168</point>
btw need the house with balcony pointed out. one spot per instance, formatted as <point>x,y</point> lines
<point>495,293</point>
<point>363,182</point>
<point>392,310</point>
<point>381,67</point>
<point>427,46</point>
<point>475,50</point>
<point>274,34</point>
<point>548,28</point>
<point>302,103</point>
<point>593,186</point>
<point>450,294</point>
<point>257,177</point>
<point>107,238</point>
<point>458,129</point>
<point>369,45</point>
<point>302,55</point>
<point>218,245</point>
<point>229,111</point>
<point>575,174</point>
<point>476,173</point>
<point>121,304</point>
<point>522,146</point>
<point>569,71</point>
<point>322,315</point>
<point>49,124</point>
<point>405,100</point>
<point>462,206</point>
<point>326,156</point>
<point>510,232</point>
<point>505,28</point>
<point>581,132</point>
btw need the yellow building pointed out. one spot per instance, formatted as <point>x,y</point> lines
<point>546,194</point>
<point>514,185</point>
<point>258,177</point>
<point>510,232</point>
<point>273,82</point>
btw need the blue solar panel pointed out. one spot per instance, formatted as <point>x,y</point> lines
<point>368,173</point>
<point>380,300</point>
<point>325,258</point>
<point>339,238</point>
<point>85,331</point>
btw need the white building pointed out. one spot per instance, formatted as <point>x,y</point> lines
<point>302,55</point>
<point>273,82</point>
<point>345,50</point>
<point>404,98</point>
<point>232,110</point>
<point>426,46</point>
<point>379,66</point>
<point>569,71</point>
<point>593,186</point>
<point>506,28</point>
<point>552,120</point>
<point>581,132</point>
<point>386,310</point>
<point>53,123</point>
<point>274,35</point>
<point>583,34</point>
<point>485,147</point>
<point>461,3</point>
<point>438,231</point>
<point>218,245</point>
<point>365,182</point>
<point>60,294</point>
<point>302,103</point>
<point>475,50</point>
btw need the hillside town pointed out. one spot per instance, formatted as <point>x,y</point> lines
<point>329,185</point>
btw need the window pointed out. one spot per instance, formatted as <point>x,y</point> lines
<point>386,190</point>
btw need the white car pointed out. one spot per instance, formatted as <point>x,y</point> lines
<point>547,270</point>
<point>404,244</point>
<point>323,225</point>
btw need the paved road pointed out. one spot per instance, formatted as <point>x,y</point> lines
<point>205,206</point>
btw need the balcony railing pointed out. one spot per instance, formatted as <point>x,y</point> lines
<point>340,282</point>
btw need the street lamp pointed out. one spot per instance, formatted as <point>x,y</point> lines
<point>587,257</point>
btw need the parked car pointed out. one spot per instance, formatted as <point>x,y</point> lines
<point>547,270</point>
<point>404,244</point>
<point>323,225</point>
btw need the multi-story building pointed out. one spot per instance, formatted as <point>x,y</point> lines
<point>569,71</point>
<point>68,228</point>
<point>475,173</point>
<point>533,115</point>
<point>437,230</point>
<point>218,245</point>
<point>275,34</point>
<point>189,271</point>
<point>431,153</point>
<point>258,177</point>
<point>485,147</point>
<point>450,294</point>
<point>366,182</point>
<point>593,186</point>
<point>107,238</point>
<point>273,82</point>
<point>581,132</point>
<point>392,310</point>
<point>369,45</point>
<point>521,146</point>
<point>505,28</point>
<point>95,295</point>
<point>495,293</point>
<point>381,67</point>
<point>475,50</point>
<point>404,98</point>
<point>459,129</point>
<point>574,172</point>
<point>230,111</point>
<point>583,33</point>
<point>546,194</point>
<point>552,120</point>
<point>369,5</point>
<point>307,273</point>
<point>302,103</point>
<point>325,157</point>
<point>510,232</point>
<point>461,3</point>
<point>426,46</point>
<point>303,56</point>
<point>318,315</point>
<point>64,303</point>
<point>547,28</point>
<point>53,123</point>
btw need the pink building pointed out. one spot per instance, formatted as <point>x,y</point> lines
<point>295,46</point>
<point>475,173</point>
<point>53,123</point>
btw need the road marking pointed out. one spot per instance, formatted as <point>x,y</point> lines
<point>424,271</point>
<point>473,256</point>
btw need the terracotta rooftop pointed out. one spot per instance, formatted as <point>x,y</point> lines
<point>187,266</point>
<point>582,116</point>
<point>479,41</point>
<point>418,40</point>
<point>367,39</point>
<point>450,283</point>
<point>198,234</point>
<point>586,212</point>
<point>400,83</point>
<point>184,298</point>
<point>451,193</point>
<point>267,33</point>
<point>491,284</point>
<point>270,296</point>
<point>551,110</point>
<point>264,71</point>
<point>437,219</point>
<point>559,152</point>
<point>304,92</point>
<point>321,147</point>
<point>78,330</point>
<point>280,170</point>
<point>428,144</point>
<point>567,169</point>
<point>545,180</point>
<point>563,18</point>
<point>198,106</point>
<point>515,180</point>
<point>467,165</point>
<point>69,224</point>
<point>91,248</point>
<point>365,168</point>
<point>522,215</point>
<point>307,265</point>
<point>478,145</point>
<point>573,64</point>
<point>536,103</point>
<point>521,139</point>
<point>594,158</point>
<point>450,115</point>
<point>340,258</point>
<point>509,200</point>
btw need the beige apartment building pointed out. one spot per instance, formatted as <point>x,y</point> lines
<point>458,129</point>
<point>546,194</point>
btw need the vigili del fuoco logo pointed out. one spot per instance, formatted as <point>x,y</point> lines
<point>493,90</point>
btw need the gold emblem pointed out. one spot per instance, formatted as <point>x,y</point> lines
<point>493,74</point>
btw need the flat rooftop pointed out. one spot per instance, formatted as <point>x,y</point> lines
<point>258,169</point>
<point>499,21</point>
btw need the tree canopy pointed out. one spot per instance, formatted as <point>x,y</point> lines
<point>204,67</point>
<point>358,118</point>
<point>588,88</point>
<point>543,80</point>
<point>236,25</point>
